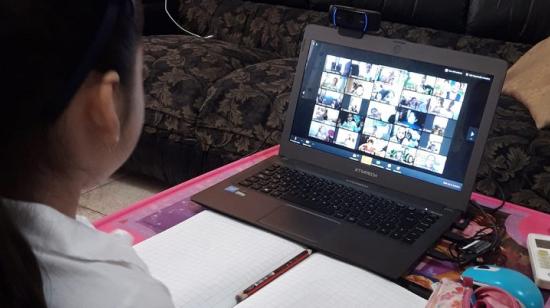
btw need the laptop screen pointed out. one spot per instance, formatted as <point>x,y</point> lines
<point>413,118</point>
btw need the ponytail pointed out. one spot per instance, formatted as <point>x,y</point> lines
<point>21,282</point>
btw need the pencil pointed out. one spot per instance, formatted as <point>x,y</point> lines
<point>272,276</point>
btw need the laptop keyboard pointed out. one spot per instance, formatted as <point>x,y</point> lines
<point>387,217</point>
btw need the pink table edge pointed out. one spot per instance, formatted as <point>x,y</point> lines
<point>482,199</point>
<point>145,202</point>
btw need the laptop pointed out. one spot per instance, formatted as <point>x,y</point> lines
<point>379,151</point>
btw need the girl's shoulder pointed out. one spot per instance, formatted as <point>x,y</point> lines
<point>83,267</point>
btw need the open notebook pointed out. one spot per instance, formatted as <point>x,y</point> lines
<point>208,259</point>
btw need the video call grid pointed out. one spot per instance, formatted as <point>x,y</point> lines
<point>387,112</point>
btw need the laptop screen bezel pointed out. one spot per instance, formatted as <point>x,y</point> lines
<point>444,196</point>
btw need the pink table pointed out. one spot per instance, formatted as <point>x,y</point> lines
<point>172,206</point>
<point>168,208</point>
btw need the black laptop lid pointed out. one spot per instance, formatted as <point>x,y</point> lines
<point>410,117</point>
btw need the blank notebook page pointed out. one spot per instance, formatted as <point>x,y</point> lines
<point>320,281</point>
<point>206,260</point>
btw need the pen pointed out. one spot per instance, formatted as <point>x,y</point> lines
<point>273,275</point>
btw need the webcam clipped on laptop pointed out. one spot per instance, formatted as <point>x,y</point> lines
<point>354,22</point>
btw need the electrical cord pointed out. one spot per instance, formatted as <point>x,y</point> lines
<point>463,250</point>
<point>491,234</point>
<point>502,199</point>
<point>179,26</point>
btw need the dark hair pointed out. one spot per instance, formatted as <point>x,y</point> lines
<point>44,46</point>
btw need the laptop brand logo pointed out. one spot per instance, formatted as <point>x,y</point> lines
<point>366,172</point>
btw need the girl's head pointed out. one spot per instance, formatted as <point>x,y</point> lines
<point>72,108</point>
<point>72,101</point>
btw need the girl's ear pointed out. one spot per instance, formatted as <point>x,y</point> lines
<point>103,108</point>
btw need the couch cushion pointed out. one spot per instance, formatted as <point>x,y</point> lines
<point>177,72</point>
<point>517,158</point>
<point>245,110</point>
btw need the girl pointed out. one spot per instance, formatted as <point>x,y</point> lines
<point>72,108</point>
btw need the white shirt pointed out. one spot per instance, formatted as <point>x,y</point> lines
<point>83,267</point>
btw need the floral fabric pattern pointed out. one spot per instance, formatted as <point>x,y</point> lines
<point>178,72</point>
<point>245,110</point>
<point>516,158</point>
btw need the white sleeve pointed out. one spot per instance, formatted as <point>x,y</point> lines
<point>147,294</point>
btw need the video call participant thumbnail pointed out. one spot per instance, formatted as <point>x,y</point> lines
<point>357,87</point>
<point>325,115</point>
<point>355,105</point>
<point>385,93</point>
<point>405,136</point>
<point>373,146</point>
<point>439,126</point>
<point>330,99</point>
<point>333,82</point>
<point>435,144</point>
<point>364,71</point>
<point>401,153</point>
<point>381,112</point>
<point>392,76</point>
<point>411,118</point>
<point>429,161</point>
<point>350,121</point>
<point>338,65</point>
<point>450,89</point>
<point>420,83</point>
<point>416,101</point>
<point>321,131</point>
<point>377,129</point>
<point>346,138</point>
<point>445,108</point>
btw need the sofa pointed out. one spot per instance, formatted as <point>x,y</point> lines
<point>213,101</point>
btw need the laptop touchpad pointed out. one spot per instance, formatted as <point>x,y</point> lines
<point>299,223</point>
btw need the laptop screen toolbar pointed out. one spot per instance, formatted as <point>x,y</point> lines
<point>413,118</point>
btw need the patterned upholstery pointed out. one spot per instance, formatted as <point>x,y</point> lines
<point>178,72</point>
